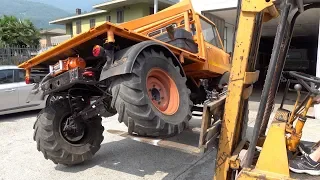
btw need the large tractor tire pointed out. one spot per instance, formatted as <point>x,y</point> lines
<point>52,98</point>
<point>153,100</point>
<point>61,147</point>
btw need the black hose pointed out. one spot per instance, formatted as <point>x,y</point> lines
<point>267,86</point>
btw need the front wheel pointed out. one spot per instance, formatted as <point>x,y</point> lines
<point>62,146</point>
<point>153,100</point>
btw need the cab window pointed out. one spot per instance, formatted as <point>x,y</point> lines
<point>210,33</point>
<point>6,76</point>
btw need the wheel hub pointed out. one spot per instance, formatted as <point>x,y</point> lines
<point>162,91</point>
<point>156,96</point>
<point>72,131</point>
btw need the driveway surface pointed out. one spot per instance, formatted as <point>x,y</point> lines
<point>119,157</point>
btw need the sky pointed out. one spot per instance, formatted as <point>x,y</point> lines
<point>71,5</point>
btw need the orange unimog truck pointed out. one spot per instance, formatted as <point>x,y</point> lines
<point>148,70</point>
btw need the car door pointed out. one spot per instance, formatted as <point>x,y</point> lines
<point>24,90</point>
<point>9,97</point>
<point>217,58</point>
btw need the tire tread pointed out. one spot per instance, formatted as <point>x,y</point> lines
<point>50,147</point>
<point>133,107</point>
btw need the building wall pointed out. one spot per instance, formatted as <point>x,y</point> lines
<point>206,6</point>
<point>135,11</point>
<point>85,22</point>
<point>130,13</point>
<point>211,5</point>
<point>55,40</point>
<point>146,10</point>
<point>45,40</point>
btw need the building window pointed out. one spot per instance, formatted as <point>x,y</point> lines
<point>226,38</point>
<point>69,29</point>
<point>120,17</point>
<point>151,10</point>
<point>108,18</point>
<point>78,26</point>
<point>92,23</point>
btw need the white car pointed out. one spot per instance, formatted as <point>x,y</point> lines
<point>14,91</point>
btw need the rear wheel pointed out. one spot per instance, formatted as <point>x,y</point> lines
<point>62,146</point>
<point>153,100</point>
<point>53,98</point>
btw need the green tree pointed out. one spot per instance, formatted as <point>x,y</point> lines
<point>16,32</point>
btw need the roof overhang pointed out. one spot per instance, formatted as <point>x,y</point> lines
<point>51,33</point>
<point>120,3</point>
<point>54,32</point>
<point>66,20</point>
<point>4,67</point>
<point>307,23</point>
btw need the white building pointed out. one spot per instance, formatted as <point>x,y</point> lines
<point>223,14</point>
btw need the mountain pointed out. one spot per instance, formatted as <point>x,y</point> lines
<point>39,13</point>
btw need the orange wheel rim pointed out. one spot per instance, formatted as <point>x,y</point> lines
<point>162,91</point>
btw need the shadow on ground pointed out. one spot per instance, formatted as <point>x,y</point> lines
<point>18,116</point>
<point>290,98</point>
<point>141,159</point>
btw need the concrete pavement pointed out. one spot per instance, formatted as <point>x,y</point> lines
<point>119,157</point>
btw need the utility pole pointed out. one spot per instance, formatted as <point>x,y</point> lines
<point>155,6</point>
<point>317,106</point>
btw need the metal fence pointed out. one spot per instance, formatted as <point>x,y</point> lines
<point>18,54</point>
